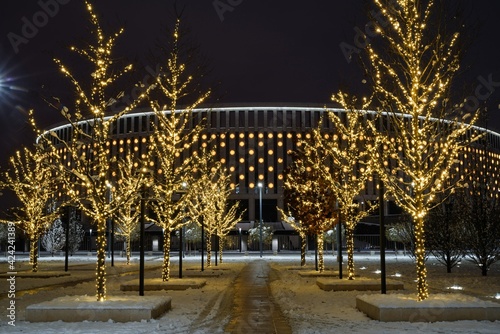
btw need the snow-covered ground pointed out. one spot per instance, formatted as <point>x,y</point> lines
<point>206,310</point>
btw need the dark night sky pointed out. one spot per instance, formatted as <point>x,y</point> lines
<point>263,51</point>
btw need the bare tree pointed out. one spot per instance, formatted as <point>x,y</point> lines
<point>32,181</point>
<point>172,136</point>
<point>346,154</point>
<point>85,163</point>
<point>411,66</point>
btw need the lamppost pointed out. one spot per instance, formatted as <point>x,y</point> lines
<point>111,227</point>
<point>90,237</point>
<point>260,185</point>
<point>240,237</point>
<point>141,240</point>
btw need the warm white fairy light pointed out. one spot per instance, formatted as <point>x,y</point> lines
<point>89,166</point>
<point>210,202</point>
<point>32,181</point>
<point>170,139</point>
<point>412,88</point>
<point>350,166</point>
<point>308,199</point>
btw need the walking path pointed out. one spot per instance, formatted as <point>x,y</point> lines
<point>254,310</point>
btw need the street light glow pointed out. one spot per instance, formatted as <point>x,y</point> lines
<point>259,184</point>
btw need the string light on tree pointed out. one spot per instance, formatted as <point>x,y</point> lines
<point>411,73</point>
<point>85,164</point>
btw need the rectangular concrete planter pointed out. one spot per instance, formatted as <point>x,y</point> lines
<point>156,284</point>
<point>361,284</point>
<point>80,308</point>
<point>438,307</point>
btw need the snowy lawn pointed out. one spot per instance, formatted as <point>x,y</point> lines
<point>308,308</point>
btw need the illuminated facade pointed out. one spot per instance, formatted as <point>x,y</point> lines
<point>254,141</point>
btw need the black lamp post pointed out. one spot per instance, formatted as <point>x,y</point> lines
<point>381,190</point>
<point>260,185</point>
<point>141,241</point>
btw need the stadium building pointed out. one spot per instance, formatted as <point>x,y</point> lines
<point>254,143</point>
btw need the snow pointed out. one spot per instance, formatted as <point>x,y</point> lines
<point>307,308</point>
<point>449,300</point>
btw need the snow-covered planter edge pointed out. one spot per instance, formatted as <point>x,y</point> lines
<point>438,307</point>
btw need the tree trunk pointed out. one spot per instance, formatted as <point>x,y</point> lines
<point>349,236</point>
<point>209,249</point>
<point>101,261</point>
<point>127,250</point>
<point>34,254</point>
<point>319,243</point>
<point>303,248</point>
<point>221,248</point>
<point>422,289</point>
<point>165,272</point>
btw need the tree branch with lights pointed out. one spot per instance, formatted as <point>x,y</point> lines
<point>310,201</point>
<point>85,162</point>
<point>346,165</point>
<point>412,65</point>
<point>33,182</point>
<point>172,137</point>
<point>210,201</point>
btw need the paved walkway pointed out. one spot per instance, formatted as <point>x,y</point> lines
<point>254,310</point>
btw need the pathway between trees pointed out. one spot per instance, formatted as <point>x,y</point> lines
<point>254,310</point>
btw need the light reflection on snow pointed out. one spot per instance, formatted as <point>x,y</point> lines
<point>377,271</point>
<point>455,287</point>
<point>397,275</point>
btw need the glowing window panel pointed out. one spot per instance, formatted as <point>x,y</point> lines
<point>261,135</point>
<point>114,143</point>
<point>242,143</point>
<point>280,177</point>
<point>223,144</point>
<point>223,136</point>
<point>204,137</point>
<point>289,135</point>
<point>251,168</point>
<point>251,185</point>
<point>231,135</point>
<point>271,168</point>
<point>242,177</point>
<point>280,143</point>
<point>223,160</point>
<point>143,140</point>
<point>270,152</point>
<point>261,143</point>
<point>231,152</point>
<point>280,135</point>
<point>251,152</point>
<point>121,142</point>
<point>280,160</point>
<point>251,135</point>
<point>270,135</point>
<point>242,160</point>
<point>270,185</point>
<point>261,160</point>
<point>261,177</point>
<point>231,169</point>
<point>128,141</point>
